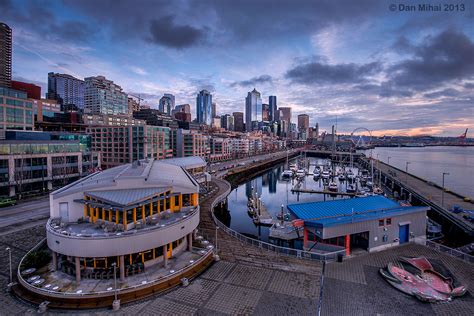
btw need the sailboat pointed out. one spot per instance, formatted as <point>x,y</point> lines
<point>287,174</point>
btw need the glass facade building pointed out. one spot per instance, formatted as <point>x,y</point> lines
<point>253,110</point>
<point>204,108</point>
<point>16,111</point>
<point>66,89</point>
<point>103,96</point>
<point>272,102</point>
<point>5,55</point>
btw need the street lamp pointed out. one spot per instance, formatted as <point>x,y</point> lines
<point>10,258</point>
<point>116,302</point>
<point>442,190</point>
<point>406,172</point>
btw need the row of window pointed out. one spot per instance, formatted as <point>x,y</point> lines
<point>385,222</point>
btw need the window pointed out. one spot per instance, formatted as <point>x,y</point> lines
<point>388,221</point>
<point>381,222</point>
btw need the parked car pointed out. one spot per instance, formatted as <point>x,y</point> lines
<point>7,202</point>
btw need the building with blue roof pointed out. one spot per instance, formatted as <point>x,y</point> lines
<point>371,223</point>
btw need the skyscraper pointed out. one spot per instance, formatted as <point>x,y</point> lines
<point>303,121</point>
<point>265,112</point>
<point>166,104</point>
<point>5,55</point>
<point>227,122</point>
<point>253,110</point>
<point>103,96</point>
<point>66,89</point>
<point>204,112</point>
<point>285,114</point>
<point>214,109</point>
<point>272,101</point>
<point>238,121</point>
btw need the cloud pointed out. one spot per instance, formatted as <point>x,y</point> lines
<point>138,70</point>
<point>444,58</point>
<point>253,81</point>
<point>442,93</point>
<point>317,72</point>
<point>164,31</point>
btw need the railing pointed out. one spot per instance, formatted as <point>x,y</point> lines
<point>453,252</point>
<point>24,283</point>
<point>64,232</point>
<point>290,252</point>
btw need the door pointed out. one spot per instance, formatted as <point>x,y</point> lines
<point>403,234</point>
<point>64,212</point>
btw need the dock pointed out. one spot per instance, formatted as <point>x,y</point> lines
<point>419,190</point>
<point>296,190</point>
<point>262,216</point>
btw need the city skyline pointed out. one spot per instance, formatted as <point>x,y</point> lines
<point>358,64</point>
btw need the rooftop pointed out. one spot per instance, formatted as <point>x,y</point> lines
<point>352,210</point>
<point>187,162</point>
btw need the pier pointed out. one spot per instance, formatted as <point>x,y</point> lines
<point>418,190</point>
<point>294,190</point>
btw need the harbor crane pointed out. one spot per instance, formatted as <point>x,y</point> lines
<point>462,137</point>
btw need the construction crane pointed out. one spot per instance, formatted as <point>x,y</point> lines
<point>462,137</point>
<point>137,97</point>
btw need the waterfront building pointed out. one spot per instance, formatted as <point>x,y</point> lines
<point>67,90</point>
<point>238,121</point>
<point>32,162</point>
<point>5,55</point>
<point>103,96</point>
<point>372,223</point>
<point>204,109</point>
<point>109,119</point>
<point>219,149</point>
<point>253,110</point>
<point>239,147</point>
<point>47,110</point>
<point>125,144</point>
<point>32,91</point>
<point>190,143</point>
<point>272,102</point>
<point>166,104</point>
<point>16,111</point>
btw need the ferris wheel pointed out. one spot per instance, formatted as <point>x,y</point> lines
<point>361,138</point>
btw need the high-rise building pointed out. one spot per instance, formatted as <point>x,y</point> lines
<point>214,109</point>
<point>253,110</point>
<point>204,113</point>
<point>66,89</point>
<point>182,113</point>
<point>285,114</point>
<point>166,103</point>
<point>238,121</point>
<point>227,122</point>
<point>272,102</point>
<point>265,112</point>
<point>316,130</point>
<point>186,108</point>
<point>5,55</point>
<point>303,122</point>
<point>103,96</point>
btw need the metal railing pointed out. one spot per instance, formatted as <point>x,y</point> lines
<point>453,252</point>
<point>290,252</point>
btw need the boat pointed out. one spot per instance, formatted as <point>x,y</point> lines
<point>300,173</point>
<point>350,176</point>
<point>332,187</point>
<point>316,175</point>
<point>326,174</point>
<point>369,184</point>
<point>351,188</point>
<point>287,175</point>
<point>342,177</point>
<point>377,191</point>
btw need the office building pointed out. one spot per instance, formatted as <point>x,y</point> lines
<point>67,90</point>
<point>253,110</point>
<point>204,112</point>
<point>155,117</point>
<point>265,112</point>
<point>103,96</point>
<point>214,109</point>
<point>47,111</point>
<point>32,91</point>
<point>303,126</point>
<point>238,121</point>
<point>108,119</point>
<point>16,111</point>
<point>285,114</point>
<point>272,102</point>
<point>185,108</point>
<point>133,105</point>
<point>5,55</point>
<point>32,162</point>
<point>227,122</point>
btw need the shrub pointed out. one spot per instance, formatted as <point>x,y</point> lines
<point>37,259</point>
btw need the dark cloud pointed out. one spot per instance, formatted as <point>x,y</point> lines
<point>253,81</point>
<point>202,84</point>
<point>443,93</point>
<point>165,32</point>
<point>403,45</point>
<point>469,85</point>
<point>317,72</point>
<point>438,60</point>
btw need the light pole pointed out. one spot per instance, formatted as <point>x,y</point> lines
<point>10,258</point>
<point>442,189</point>
<point>116,302</point>
<point>406,172</point>
<point>388,160</point>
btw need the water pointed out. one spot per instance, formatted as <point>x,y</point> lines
<point>274,192</point>
<point>430,162</point>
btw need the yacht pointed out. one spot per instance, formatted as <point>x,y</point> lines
<point>287,175</point>
<point>316,175</point>
<point>332,187</point>
<point>351,188</point>
<point>326,174</point>
<point>377,191</point>
<point>300,173</point>
<point>342,177</point>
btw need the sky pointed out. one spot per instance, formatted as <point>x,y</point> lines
<point>369,63</point>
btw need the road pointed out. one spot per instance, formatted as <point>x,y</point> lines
<point>24,214</point>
